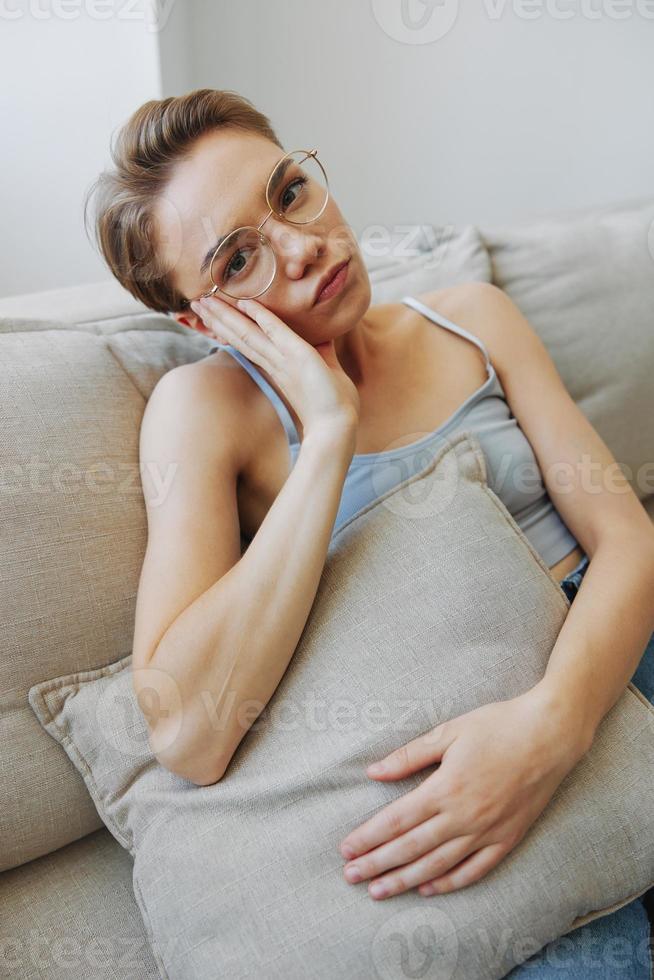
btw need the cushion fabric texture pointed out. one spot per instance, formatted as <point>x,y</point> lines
<point>73,518</point>
<point>72,915</point>
<point>585,281</point>
<point>421,258</point>
<point>74,532</point>
<point>88,303</point>
<point>431,603</point>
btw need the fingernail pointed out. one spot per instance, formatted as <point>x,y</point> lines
<point>348,852</point>
<point>353,875</point>
<point>375,768</point>
<point>195,306</point>
<point>378,890</point>
<point>241,304</point>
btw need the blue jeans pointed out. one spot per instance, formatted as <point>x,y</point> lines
<point>615,945</point>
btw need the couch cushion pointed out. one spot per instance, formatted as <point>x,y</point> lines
<point>432,602</point>
<point>89,302</point>
<point>585,281</point>
<point>74,533</point>
<point>71,915</point>
<point>421,258</point>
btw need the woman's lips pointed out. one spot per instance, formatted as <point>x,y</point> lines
<point>335,285</point>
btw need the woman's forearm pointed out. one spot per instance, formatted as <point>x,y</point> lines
<point>605,632</point>
<point>228,651</point>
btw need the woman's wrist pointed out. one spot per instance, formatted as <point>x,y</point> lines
<point>566,720</point>
<point>338,436</point>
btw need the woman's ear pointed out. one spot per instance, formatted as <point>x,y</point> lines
<point>194,322</point>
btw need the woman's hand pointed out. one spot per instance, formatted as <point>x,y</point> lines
<point>499,767</point>
<point>311,377</point>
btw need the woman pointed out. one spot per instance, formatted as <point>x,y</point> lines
<point>205,200</point>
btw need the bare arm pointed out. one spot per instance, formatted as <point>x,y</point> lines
<point>228,650</point>
<point>224,652</point>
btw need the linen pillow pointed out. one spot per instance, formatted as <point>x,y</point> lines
<point>432,602</point>
<point>417,258</point>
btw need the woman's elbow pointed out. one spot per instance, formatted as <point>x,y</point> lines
<point>189,763</point>
<point>194,770</point>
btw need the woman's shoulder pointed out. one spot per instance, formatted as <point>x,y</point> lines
<point>474,305</point>
<point>214,381</point>
<point>218,379</point>
<point>202,404</point>
<point>448,300</point>
<point>459,298</point>
<point>460,303</point>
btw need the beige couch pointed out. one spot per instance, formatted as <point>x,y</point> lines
<point>78,366</point>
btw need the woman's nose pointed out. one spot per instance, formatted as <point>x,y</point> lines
<point>295,247</point>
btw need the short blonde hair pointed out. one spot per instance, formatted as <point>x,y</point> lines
<point>154,139</point>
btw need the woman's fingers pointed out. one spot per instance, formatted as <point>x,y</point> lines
<point>417,754</point>
<point>466,872</point>
<point>394,819</point>
<point>434,865</point>
<point>275,329</point>
<point>286,341</point>
<point>317,387</point>
<point>241,331</point>
<point>402,850</point>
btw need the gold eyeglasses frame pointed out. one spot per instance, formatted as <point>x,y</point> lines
<point>264,238</point>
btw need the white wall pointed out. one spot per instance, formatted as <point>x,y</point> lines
<point>498,110</point>
<point>65,85</point>
<point>501,117</point>
<point>175,38</point>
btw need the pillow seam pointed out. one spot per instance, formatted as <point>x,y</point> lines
<point>40,694</point>
<point>145,915</point>
<point>449,445</point>
<point>515,527</point>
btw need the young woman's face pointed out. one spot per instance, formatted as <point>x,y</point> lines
<point>222,186</point>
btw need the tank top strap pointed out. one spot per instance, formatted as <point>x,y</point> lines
<point>255,374</point>
<point>444,322</point>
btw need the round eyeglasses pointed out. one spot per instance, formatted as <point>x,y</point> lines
<point>244,264</point>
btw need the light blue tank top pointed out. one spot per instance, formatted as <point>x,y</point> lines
<point>513,471</point>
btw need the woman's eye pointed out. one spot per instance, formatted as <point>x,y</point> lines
<point>300,181</point>
<point>233,268</point>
